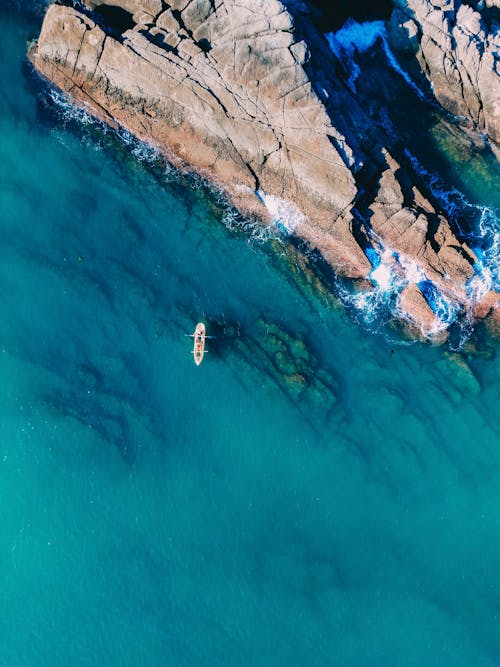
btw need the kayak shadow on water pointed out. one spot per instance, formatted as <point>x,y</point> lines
<point>221,334</point>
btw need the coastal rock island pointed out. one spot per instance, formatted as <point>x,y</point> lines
<point>248,94</point>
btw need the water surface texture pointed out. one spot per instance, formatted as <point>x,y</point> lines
<point>312,495</point>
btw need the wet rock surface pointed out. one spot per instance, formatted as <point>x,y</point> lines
<point>250,96</point>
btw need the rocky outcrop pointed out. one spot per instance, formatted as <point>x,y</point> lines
<point>407,230</point>
<point>223,91</point>
<point>416,308</point>
<point>243,93</point>
<point>456,46</point>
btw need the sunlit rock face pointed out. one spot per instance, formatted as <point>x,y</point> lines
<point>456,45</point>
<point>251,96</point>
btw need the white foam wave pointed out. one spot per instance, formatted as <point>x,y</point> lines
<point>256,232</point>
<point>412,270</point>
<point>451,199</point>
<point>354,38</point>
<point>391,273</point>
<point>347,43</point>
<point>141,150</point>
<point>488,265</point>
<point>445,308</point>
<point>375,304</point>
<point>285,215</point>
<point>382,276</point>
<point>483,234</point>
<point>69,111</point>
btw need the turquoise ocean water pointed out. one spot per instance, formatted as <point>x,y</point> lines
<point>314,494</point>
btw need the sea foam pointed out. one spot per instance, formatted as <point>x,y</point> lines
<point>354,38</point>
<point>482,232</point>
<point>284,214</point>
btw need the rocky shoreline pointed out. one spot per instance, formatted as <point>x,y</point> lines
<point>455,46</point>
<point>250,96</point>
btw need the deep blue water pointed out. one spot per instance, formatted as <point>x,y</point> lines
<point>313,494</point>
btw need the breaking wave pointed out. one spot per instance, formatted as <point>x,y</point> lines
<point>391,272</point>
<point>254,230</point>
<point>354,38</point>
<point>477,224</point>
<point>285,216</point>
<point>68,111</point>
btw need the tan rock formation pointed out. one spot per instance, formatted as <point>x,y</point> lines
<point>409,225</point>
<point>414,306</point>
<point>488,306</point>
<point>241,111</point>
<point>457,49</point>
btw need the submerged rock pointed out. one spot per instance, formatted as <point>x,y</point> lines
<point>293,366</point>
<point>493,323</point>
<point>248,94</point>
<point>459,374</point>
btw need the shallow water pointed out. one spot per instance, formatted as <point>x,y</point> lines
<point>155,513</point>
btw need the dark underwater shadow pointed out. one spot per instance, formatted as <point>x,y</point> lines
<point>30,9</point>
<point>330,15</point>
<point>88,390</point>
